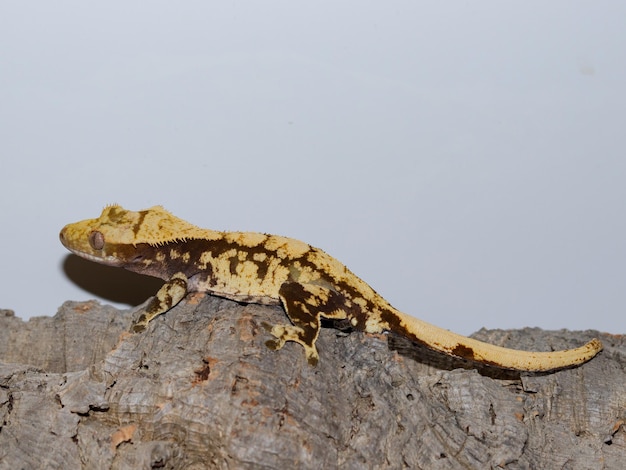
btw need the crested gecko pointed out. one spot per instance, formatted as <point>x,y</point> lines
<point>273,270</point>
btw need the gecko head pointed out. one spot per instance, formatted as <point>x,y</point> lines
<point>113,237</point>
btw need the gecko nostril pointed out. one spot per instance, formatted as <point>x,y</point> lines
<point>62,237</point>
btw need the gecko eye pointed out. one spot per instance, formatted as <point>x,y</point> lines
<point>96,240</point>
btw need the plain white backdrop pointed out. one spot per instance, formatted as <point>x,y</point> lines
<point>467,159</point>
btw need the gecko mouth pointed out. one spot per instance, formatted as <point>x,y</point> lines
<point>107,260</point>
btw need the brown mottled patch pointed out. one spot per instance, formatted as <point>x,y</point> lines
<point>140,219</point>
<point>203,373</point>
<point>463,351</point>
<point>233,262</point>
<point>262,266</point>
<point>392,322</point>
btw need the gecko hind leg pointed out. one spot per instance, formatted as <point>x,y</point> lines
<point>305,304</point>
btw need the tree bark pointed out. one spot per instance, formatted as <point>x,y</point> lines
<point>199,389</point>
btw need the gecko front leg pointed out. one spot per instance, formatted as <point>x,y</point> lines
<point>305,304</point>
<point>170,293</point>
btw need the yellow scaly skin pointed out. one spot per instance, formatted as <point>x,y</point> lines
<point>270,269</point>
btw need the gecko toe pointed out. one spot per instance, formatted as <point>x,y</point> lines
<point>138,328</point>
<point>274,345</point>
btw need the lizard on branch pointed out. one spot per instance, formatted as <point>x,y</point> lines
<point>273,270</point>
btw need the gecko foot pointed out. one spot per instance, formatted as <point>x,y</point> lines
<point>139,325</point>
<point>284,333</point>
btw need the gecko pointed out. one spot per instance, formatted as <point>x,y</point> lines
<point>252,267</point>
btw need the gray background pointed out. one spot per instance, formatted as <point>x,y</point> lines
<point>464,158</point>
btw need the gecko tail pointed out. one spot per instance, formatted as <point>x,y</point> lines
<point>457,345</point>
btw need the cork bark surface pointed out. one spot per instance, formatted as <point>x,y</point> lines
<point>199,389</point>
